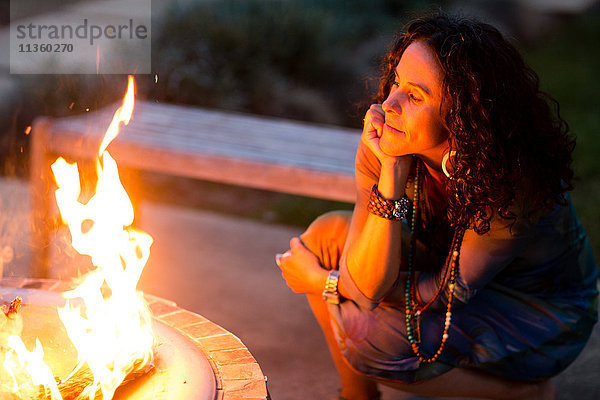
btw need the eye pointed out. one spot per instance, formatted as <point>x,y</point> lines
<point>396,83</point>
<point>414,98</point>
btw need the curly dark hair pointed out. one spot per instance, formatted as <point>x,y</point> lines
<point>508,139</point>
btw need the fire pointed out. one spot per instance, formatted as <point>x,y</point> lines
<point>105,317</point>
<point>31,364</point>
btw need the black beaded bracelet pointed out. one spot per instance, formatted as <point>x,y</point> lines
<point>395,210</point>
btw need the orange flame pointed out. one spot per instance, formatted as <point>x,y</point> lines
<point>105,317</point>
<point>33,365</point>
<point>123,114</point>
<point>111,335</point>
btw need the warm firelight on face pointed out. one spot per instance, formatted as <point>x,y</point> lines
<point>105,317</point>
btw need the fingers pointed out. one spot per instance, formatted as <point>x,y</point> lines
<point>296,247</point>
<point>376,110</point>
<point>374,120</point>
<point>279,258</point>
<point>373,129</point>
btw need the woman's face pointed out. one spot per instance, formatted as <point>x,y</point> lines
<point>413,122</point>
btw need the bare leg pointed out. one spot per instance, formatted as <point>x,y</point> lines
<point>458,382</point>
<point>355,386</point>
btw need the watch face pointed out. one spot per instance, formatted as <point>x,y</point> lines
<point>401,208</point>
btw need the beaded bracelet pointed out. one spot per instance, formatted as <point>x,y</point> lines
<point>394,210</point>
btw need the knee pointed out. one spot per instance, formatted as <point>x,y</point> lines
<point>326,236</point>
<point>331,224</point>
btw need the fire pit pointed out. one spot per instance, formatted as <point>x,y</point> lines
<point>101,338</point>
<point>195,358</point>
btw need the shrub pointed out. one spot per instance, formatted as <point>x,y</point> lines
<point>295,59</point>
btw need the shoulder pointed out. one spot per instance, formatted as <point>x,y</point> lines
<point>521,218</point>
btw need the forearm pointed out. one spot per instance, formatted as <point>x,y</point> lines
<point>373,258</point>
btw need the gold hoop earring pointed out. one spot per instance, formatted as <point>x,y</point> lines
<point>445,159</point>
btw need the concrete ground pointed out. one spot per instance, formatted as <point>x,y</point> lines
<point>223,268</point>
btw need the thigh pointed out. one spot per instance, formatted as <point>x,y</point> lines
<point>374,342</point>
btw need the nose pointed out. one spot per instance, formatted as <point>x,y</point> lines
<point>391,105</point>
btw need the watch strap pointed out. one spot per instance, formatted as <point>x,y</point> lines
<point>330,293</point>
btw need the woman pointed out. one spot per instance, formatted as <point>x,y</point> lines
<point>489,287</point>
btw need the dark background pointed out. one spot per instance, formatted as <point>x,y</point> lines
<point>311,60</point>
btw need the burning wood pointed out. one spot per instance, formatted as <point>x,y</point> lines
<point>12,308</point>
<point>75,387</point>
<point>10,322</point>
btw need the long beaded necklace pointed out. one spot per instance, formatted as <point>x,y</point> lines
<point>413,310</point>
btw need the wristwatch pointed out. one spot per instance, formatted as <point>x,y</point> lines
<point>394,210</point>
<point>330,294</point>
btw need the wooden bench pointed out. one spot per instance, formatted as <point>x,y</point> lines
<point>257,152</point>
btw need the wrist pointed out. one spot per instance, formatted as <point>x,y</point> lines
<point>394,210</point>
<point>330,289</point>
<point>393,178</point>
<point>320,281</point>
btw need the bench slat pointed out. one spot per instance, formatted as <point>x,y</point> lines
<point>223,144</point>
<point>226,147</point>
<point>307,142</point>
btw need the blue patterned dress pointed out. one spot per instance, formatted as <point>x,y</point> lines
<point>524,307</point>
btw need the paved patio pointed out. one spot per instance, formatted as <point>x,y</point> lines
<point>223,268</point>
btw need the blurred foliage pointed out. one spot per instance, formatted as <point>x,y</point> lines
<point>30,96</point>
<point>49,95</point>
<point>312,60</point>
<point>568,63</point>
<point>300,59</point>
<point>4,12</point>
<point>27,8</point>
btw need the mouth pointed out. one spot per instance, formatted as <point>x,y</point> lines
<point>393,131</point>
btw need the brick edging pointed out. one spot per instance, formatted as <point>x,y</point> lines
<point>238,376</point>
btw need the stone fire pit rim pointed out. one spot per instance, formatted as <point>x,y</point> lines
<point>237,374</point>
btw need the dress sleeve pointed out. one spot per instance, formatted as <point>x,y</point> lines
<point>481,258</point>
